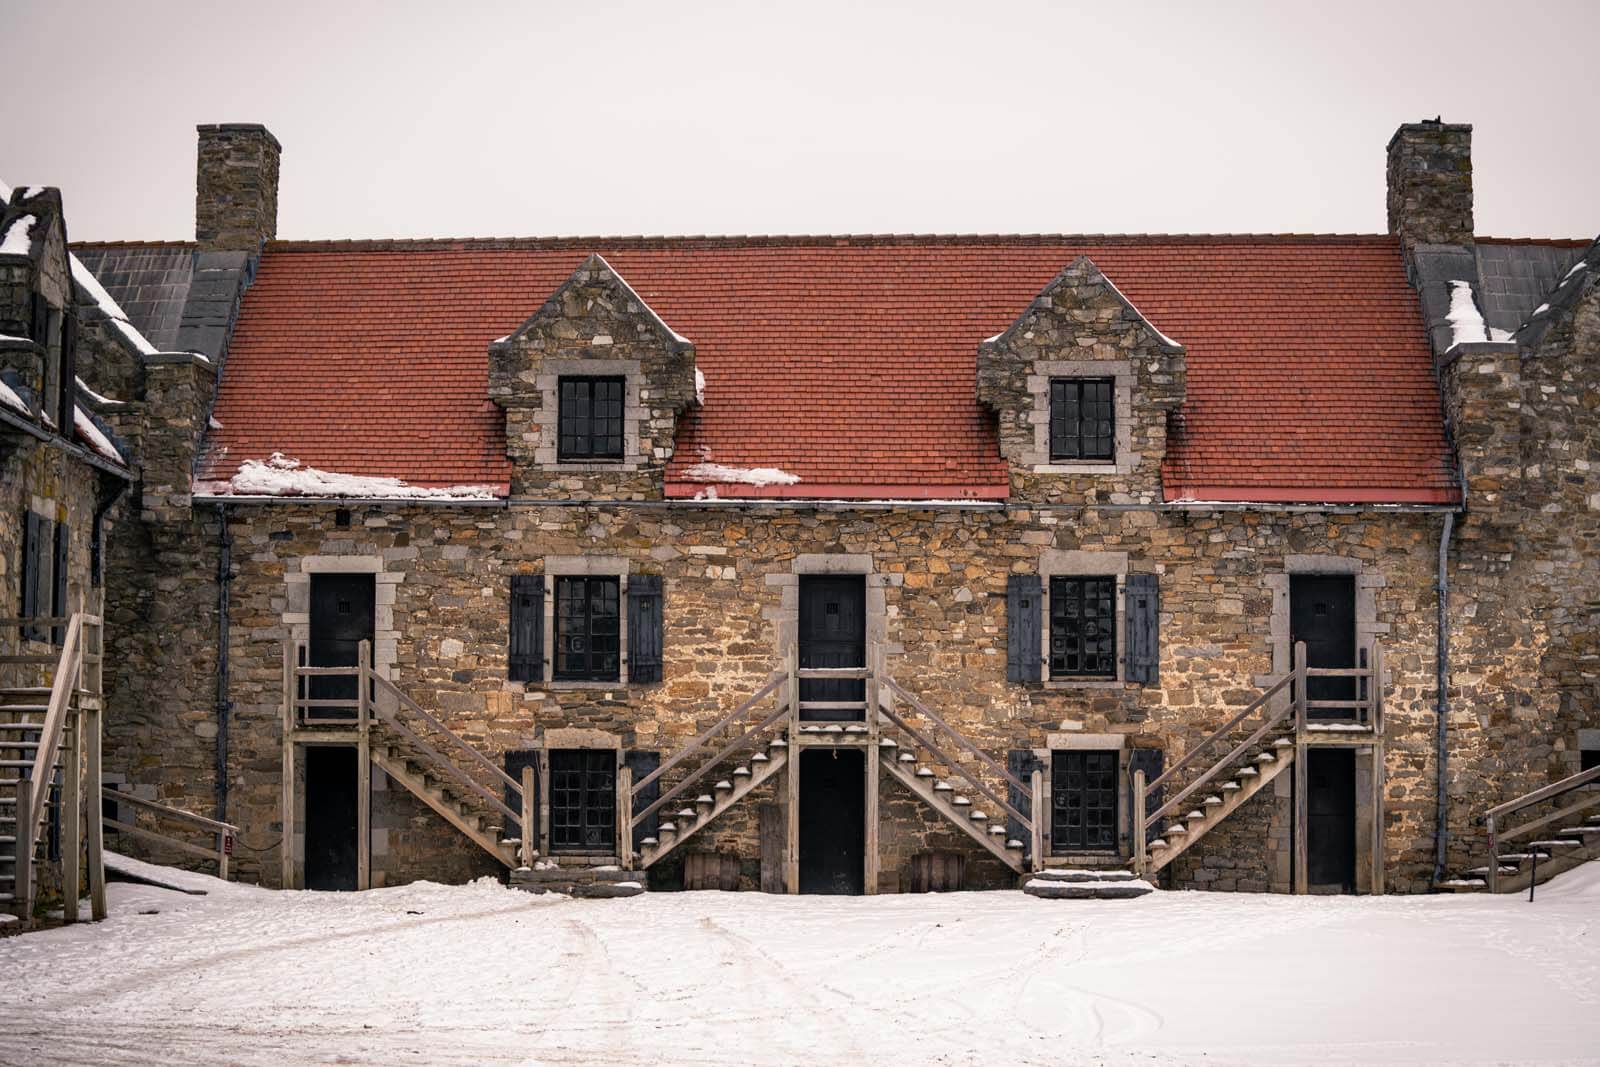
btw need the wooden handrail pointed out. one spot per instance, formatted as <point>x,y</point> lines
<point>777,679</point>
<point>845,673</point>
<point>1194,753</point>
<point>722,754</point>
<point>1216,768</point>
<point>1553,789</point>
<point>63,685</point>
<point>411,705</point>
<point>1560,815</point>
<point>960,738</point>
<point>448,766</point>
<point>972,780</point>
<point>175,813</point>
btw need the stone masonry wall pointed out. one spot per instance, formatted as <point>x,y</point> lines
<point>944,579</point>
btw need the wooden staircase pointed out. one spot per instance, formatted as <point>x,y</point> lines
<point>1546,845</point>
<point>693,817</point>
<point>942,796</point>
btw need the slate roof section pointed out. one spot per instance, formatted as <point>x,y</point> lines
<point>850,362</point>
<point>150,283</point>
<point>1514,277</point>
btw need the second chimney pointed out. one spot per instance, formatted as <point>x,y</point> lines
<point>236,188</point>
<point>1430,184</point>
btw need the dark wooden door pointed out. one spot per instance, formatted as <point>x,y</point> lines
<point>1322,613</point>
<point>833,633</point>
<point>342,612</point>
<point>1331,818</point>
<point>833,821</point>
<point>331,785</point>
<point>1083,801</point>
<point>583,800</point>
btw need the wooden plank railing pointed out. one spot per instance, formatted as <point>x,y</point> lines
<point>1494,819</point>
<point>225,833</point>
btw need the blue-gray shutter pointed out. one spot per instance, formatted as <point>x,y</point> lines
<point>32,559</point>
<point>644,628</point>
<point>1153,762</point>
<point>526,660</point>
<point>58,595</point>
<point>516,759</point>
<point>1022,762</point>
<point>1024,610</point>
<point>643,764</point>
<point>1143,612</point>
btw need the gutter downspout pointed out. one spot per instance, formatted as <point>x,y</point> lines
<point>224,705</point>
<point>1441,834</point>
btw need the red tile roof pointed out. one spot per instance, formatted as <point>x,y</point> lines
<point>849,361</point>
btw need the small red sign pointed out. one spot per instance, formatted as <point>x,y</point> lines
<point>227,844</point>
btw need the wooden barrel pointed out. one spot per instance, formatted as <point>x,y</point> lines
<point>711,870</point>
<point>937,872</point>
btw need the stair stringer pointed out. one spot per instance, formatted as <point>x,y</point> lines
<point>1232,801</point>
<point>778,759</point>
<point>448,809</point>
<point>930,796</point>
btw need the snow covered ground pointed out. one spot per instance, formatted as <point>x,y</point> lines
<point>482,974</point>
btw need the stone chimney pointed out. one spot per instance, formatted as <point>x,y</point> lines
<point>236,188</point>
<point>1430,184</point>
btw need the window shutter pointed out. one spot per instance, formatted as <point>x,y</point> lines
<point>1143,612</point>
<point>1152,761</point>
<point>32,557</point>
<point>516,759</point>
<point>526,660</point>
<point>644,628</point>
<point>1024,609</point>
<point>643,763</point>
<point>58,594</point>
<point>1022,762</point>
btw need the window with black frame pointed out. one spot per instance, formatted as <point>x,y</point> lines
<point>1083,627</point>
<point>590,418</point>
<point>583,800</point>
<point>588,629</point>
<point>1082,420</point>
<point>1083,801</point>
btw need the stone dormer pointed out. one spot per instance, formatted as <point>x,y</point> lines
<point>596,350</point>
<point>1082,350</point>
<point>35,298</point>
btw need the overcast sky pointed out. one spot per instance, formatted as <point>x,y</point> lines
<point>599,117</point>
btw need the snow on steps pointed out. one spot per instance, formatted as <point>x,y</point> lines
<point>1254,770</point>
<point>1086,885</point>
<point>677,827</point>
<point>1571,847</point>
<point>605,881</point>
<point>957,810</point>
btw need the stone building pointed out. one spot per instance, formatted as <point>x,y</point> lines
<point>976,534</point>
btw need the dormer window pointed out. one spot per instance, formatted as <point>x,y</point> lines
<point>1082,420</point>
<point>591,418</point>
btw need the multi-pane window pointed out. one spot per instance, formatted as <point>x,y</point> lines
<point>588,629</point>
<point>590,418</point>
<point>1083,801</point>
<point>583,800</point>
<point>1083,627</point>
<point>1082,419</point>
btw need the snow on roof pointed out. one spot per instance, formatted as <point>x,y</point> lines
<point>10,399</point>
<point>281,476</point>
<point>113,311</point>
<point>83,389</point>
<point>1466,324</point>
<point>699,387</point>
<point>93,437</point>
<point>716,472</point>
<point>18,238</point>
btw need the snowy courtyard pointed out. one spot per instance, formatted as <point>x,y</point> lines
<point>482,974</point>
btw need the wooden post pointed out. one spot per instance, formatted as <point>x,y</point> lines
<point>1377,687</point>
<point>870,864</point>
<point>1036,815</point>
<point>1494,855</point>
<point>625,816</point>
<point>22,869</point>
<point>791,851</point>
<point>286,790</point>
<point>530,832</point>
<point>1378,772</point>
<point>544,802</point>
<point>72,817</point>
<point>364,765</point>
<point>224,844</point>
<point>97,866</point>
<point>1301,780</point>
<point>1299,689</point>
<point>1139,861</point>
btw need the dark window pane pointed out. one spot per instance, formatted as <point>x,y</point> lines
<point>588,629</point>
<point>1083,801</point>
<point>589,422</point>
<point>583,811</point>
<point>1082,419</point>
<point>1083,627</point>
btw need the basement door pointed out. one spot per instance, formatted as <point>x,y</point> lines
<point>343,608</point>
<point>1322,613</point>
<point>833,633</point>
<point>1331,820</point>
<point>833,821</point>
<point>331,785</point>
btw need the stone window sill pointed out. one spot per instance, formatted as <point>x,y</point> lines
<point>1085,683</point>
<point>1109,467</point>
<point>569,684</point>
